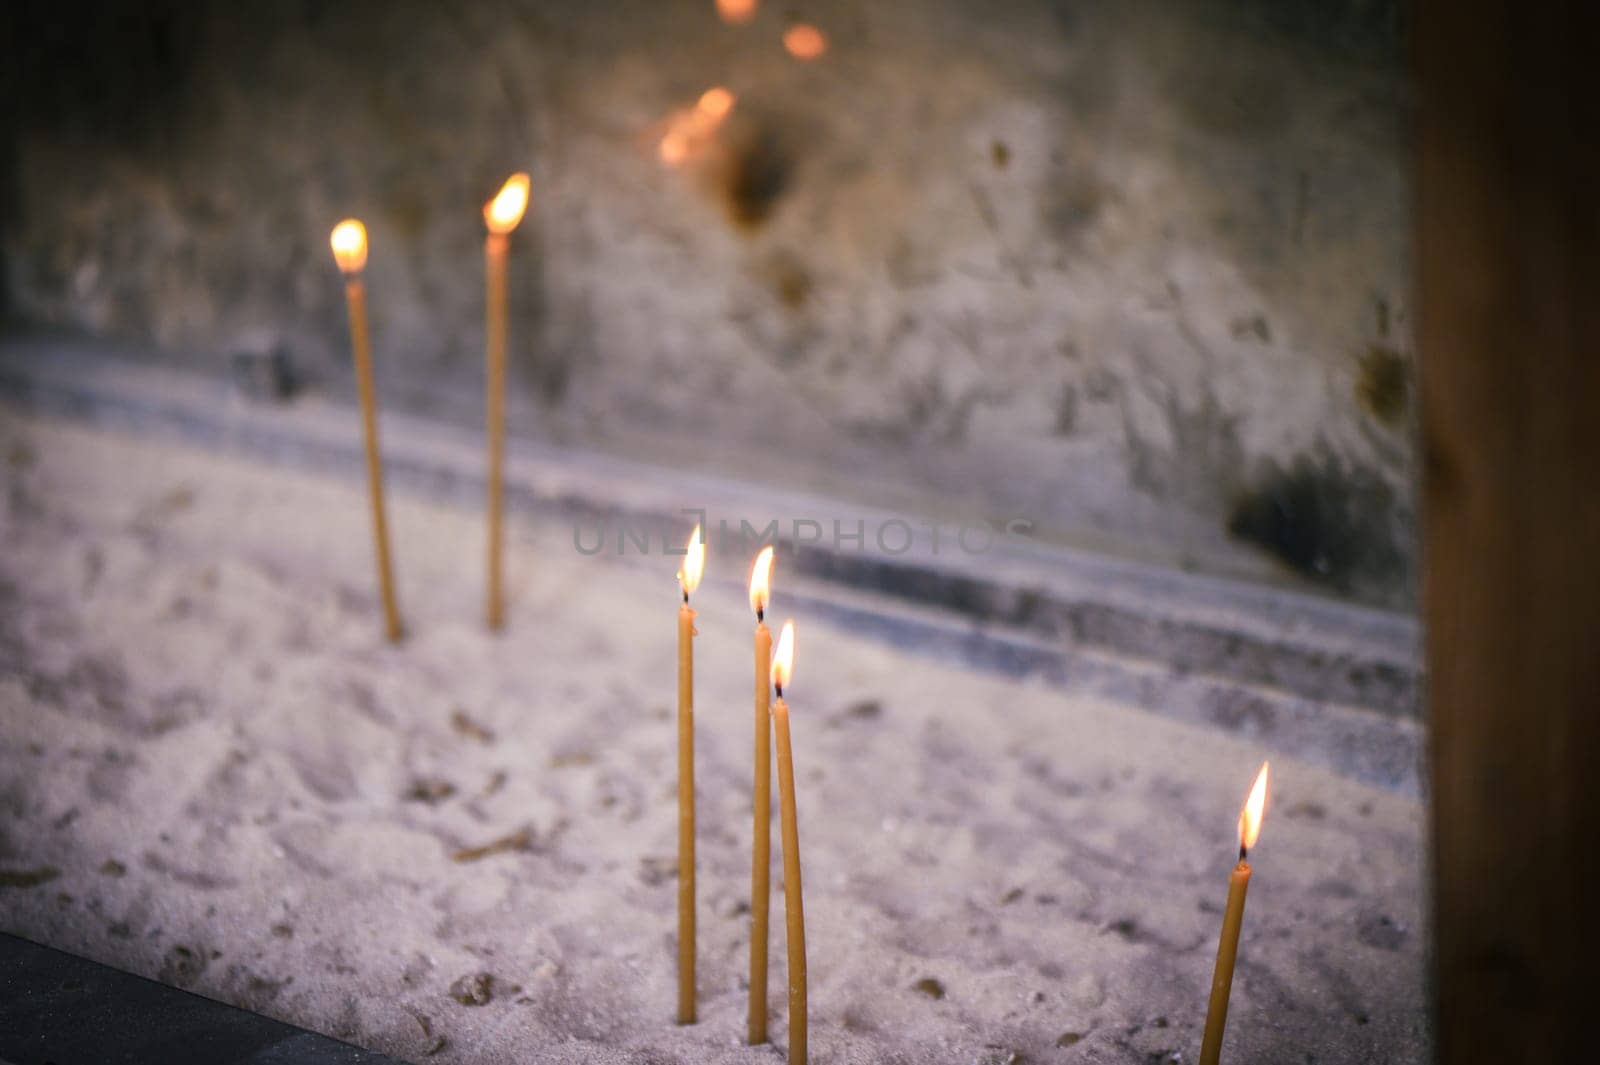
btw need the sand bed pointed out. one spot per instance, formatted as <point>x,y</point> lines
<point>215,773</point>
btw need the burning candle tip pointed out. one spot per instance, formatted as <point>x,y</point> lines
<point>694,560</point>
<point>349,242</point>
<point>1250,816</point>
<point>761,583</point>
<point>783,658</point>
<point>504,213</point>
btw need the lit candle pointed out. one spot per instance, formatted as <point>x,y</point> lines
<point>349,242</point>
<point>689,579</point>
<point>501,216</point>
<point>793,905</point>
<point>1232,918</point>
<point>761,839</point>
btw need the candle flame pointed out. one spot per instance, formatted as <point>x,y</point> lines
<point>693,563</point>
<point>761,581</point>
<point>804,41</point>
<point>1254,807</point>
<point>736,11</point>
<point>783,657</point>
<point>349,242</point>
<point>502,213</point>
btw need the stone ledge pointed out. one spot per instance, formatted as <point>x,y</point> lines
<point>1306,647</point>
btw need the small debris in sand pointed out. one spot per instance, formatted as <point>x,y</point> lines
<point>1011,896</point>
<point>431,790</point>
<point>930,987</point>
<point>656,871</point>
<point>572,760</point>
<point>730,906</point>
<point>27,878</point>
<point>475,989</point>
<point>1381,931</point>
<point>181,966</point>
<point>113,868</point>
<point>1067,1039</point>
<point>520,840</point>
<point>469,728</point>
<point>435,1043</point>
<point>997,1055</point>
<point>864,710</point>
<point>283,931</point>
<point>1310,811</point>
<point>497,780</point>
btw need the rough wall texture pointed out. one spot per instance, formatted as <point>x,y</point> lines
<point>1135,271</point>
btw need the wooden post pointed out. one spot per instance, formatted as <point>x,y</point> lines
<point>1509,333</point>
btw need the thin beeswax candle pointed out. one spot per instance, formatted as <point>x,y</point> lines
<point>793,900</point>
<point>761,837</point>
<point>1232,921</point>
<point>500,215</point>
<point>349,242</point>
<point>689,578</point>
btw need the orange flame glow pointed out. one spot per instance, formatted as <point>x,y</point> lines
<point>761,581</point>
<point>689,128</point>
<point>804,41</point>
<point>715,103</point>
<point>1254,807</point>
<point>783,657</point>
<point>349,242</point>
<point>736,11</point>
<point>502,213</point>
<point>693,563</point>
<point>674,147</point>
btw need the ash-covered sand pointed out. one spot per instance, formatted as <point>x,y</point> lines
<point>214,772</point>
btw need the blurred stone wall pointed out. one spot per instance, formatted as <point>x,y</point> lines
<point>1135,271</point>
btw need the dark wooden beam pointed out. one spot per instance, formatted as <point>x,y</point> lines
<point>1509,334</point>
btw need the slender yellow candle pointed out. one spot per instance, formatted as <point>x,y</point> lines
<point>689,578</point>
<point>501,216</point>
<point>349,241</point>
<point>793,904</point>
<point>1232,919</point>
<point>761,838</point>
